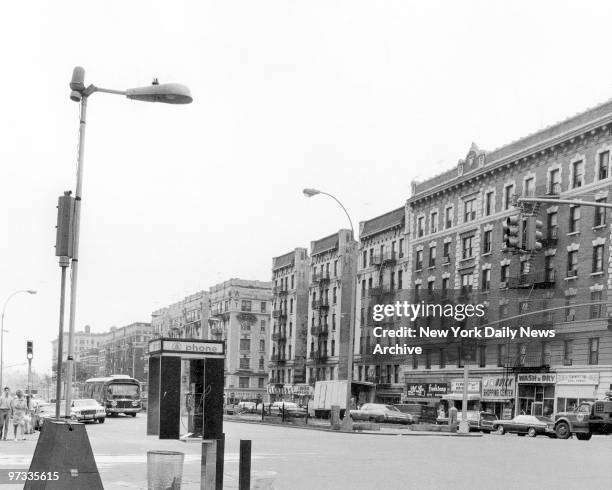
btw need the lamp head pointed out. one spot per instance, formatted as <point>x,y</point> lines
<point>31,291</point>
<point>311,192</point>
<point>168,93</point>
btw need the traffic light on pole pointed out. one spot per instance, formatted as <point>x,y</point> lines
<point>533,234</point>
<point>29,349</point>
<point>65,215</point>
<point>513,232</point>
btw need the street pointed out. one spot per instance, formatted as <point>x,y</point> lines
<point>293,458</point>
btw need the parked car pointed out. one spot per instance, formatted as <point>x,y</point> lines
<point>246,407</point>
<point>530,425</point>
<point>266,407</point>
<point>291,409</point>
<point>478,421</point>
<point>88,410</point>
<point>44,410</point>
<point>379,412</point>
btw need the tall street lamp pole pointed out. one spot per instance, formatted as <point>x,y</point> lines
<point>29,291</point>
<point>347,423</point>
<point>169,93</point>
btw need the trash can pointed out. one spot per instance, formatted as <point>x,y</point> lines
<point>164,470</point>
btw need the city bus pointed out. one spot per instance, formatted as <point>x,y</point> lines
<point>117,394</point>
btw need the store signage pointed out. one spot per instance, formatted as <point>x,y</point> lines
<point>187,348</point>
<point>497,387</point>
<point>426,389</point>
<point>538,378</point>
<point>299,389</point>
<point>577,378</point>
<point>473,386</point>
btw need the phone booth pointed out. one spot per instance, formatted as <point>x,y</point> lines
<point>203,401</point>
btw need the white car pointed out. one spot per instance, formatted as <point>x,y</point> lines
<point>88,409</point>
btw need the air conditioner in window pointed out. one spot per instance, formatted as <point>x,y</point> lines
<point>503,285</point>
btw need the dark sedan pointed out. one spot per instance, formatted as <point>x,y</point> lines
<point>530,425</point>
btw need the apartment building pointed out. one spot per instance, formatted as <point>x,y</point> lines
<point>240,315</point>
<point>124,349</point>
<point>187,318</point>
<point>382,262</point>
<point>289,332</point>
<point>84,341</point>
<point>454,224</point>
<point>332,286</point>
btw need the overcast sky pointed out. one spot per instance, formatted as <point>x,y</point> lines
<point>356,98</point>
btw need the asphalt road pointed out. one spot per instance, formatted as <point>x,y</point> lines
<point>294,459</point>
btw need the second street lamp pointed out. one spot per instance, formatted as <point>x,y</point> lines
<point>171,93</point>
<point>347,423</point>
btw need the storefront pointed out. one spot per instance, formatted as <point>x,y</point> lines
<point>427,394</point>
<point>498,394</point>
<point>536,394</point>
<point>455,397</point>
<point>388,395</point>
<point>575,388</point>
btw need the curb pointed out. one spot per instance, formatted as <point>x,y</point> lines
<point>374,433</point>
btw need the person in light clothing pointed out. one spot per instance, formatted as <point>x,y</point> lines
<point>5,412</point>
<point>19,409</point>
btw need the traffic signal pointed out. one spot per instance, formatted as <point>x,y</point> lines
<point>29,349</point>
<point>533,234</point>
<point>513,232</point>
<point>64,236</point>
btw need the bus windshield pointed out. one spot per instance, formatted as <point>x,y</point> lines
<point>117,390</point>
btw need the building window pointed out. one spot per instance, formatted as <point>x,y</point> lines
<point>292,281</point>
<point>469,210</point>
<point>245,344</point>
<point>486,279</point>
<point>503,275</point>
<point>486,241</point>
<point>245,363</point>
<point>262,326</point>
<point>572,263</point>
<point>400,283</point>
<point>501,355</point>
<point>261,364</point>
<point>260,382</point>
<point>529,188</point>
<point>603,165</point>
<point>467,249</point>
<point>466,281</point>
<point>598,254</point>
<point>243,382</point>
<point>430,286</point>
<point>442,358</point>
<point>594,350</point>
<point>396,373</point>
<point>448,218</point>
<point>600,214</point>
<point>596,311</point>
<point>434,222</point>
<point>549,271</point>
<point>427,359</point>
<point>333,347</point>
<point>263,307</point>
<point>570,311</point>
<point>415,362</point>
<point>482,355</point>
<point>446,251</point>
<point>445,283</point>
<point>554,182</point>
<point>364,259</point>
<point>567,352</point>
<point>419,260</point>
<point>335,268</point>
<point>552,226</point>
<point>401,248</point>
<point>420,226</point>
<point>574,219</point>
<point>432,256</point>
<point>262,345</point>
<point>578,175</point>
<point>508,194</point>
<point>489,203</point>
<point>371,256</point>
<point>392,280</point>
<point>335,295</point>
<point>246,305</point>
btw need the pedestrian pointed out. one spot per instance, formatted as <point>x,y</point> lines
<point>5,412</point>
<point>19,408</point>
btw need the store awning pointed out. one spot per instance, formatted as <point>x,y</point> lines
<point>459,396</point>
<point>496,399</point>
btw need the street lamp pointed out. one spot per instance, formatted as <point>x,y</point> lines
<point>169,93</point>
<point>29,291</point>
<point>347,423</point>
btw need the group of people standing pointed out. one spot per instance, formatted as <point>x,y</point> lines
<point>14,411</point>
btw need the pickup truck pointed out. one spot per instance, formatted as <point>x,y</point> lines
<point>587,419</point>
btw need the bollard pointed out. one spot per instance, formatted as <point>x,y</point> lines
<point>244,472</point>
<point>209,464</point>
<point>452,419</point>
<point>283,413</point>
<point>263,410</point>
<point>220,461</point>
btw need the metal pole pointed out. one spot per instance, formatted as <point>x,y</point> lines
<point>30,382</point>
<point>244,470</point>
<point>75,252</point>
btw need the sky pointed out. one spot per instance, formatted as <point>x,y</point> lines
<point>353,97</point>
